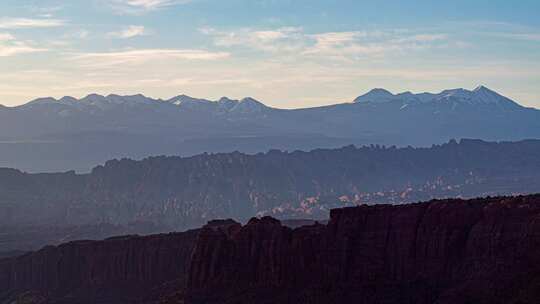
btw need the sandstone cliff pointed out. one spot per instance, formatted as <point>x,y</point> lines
<point>117,270</point>
<point>453,251</point>
<point>437,252</point>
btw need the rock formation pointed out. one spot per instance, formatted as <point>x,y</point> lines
<point>115,270</point>
<point>438,252</point>
<point>451,251</point>
<point>176,193</point>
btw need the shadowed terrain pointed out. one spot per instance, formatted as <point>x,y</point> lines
<point>442,251</point>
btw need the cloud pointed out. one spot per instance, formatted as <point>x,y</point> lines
<point>10,46</point>
<point>346,45</point>
<point>423,38</point>
<point>145,55</point>
<point>129,32</point>
<point>336,38</point>
<point>504,30</point>
<point>21,23</point>
<point>280,39</point>
<point>521,36</point>
<point>360,44</point>
<point>142,6</point>
<point>6,51</point>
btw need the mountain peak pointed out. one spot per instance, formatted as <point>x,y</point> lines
<point>481,95</point>
<point>380,91</point>
<point>129,99</point>
<point>481,88</point>
<point>376,95</point>
<point>249,105</point>
<point>68,99</point>
<point>250,100</point>
<point>94,96</point>
<point>225,99</point>
<point>188,101</point>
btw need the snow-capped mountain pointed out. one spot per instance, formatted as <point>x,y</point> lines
<point>70,133</point>
<point>480,96</point>
<point>190,103</point>
<point>248,105</point>
<point>224,105</point>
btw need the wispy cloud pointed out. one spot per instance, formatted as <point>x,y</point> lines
<point>504,30</point>
<point>359,44</point>
<point>280,39</point>
<point>520,36</point>
<point>142,6</point>
<point>10,46</point>
<point>21,23</point>
<point>344,45</point>
<point>129,32</point>
<point>423,38</point>
<point>144,55</point>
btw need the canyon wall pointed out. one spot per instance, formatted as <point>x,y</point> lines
<point>437,252</point>
<point>115,270</point>
<point>451,251</point>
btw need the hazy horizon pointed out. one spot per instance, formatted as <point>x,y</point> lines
<point>288,54</point>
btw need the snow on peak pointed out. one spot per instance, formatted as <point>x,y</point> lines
<point>189,102</point>
<point>249,105</point>
<point>481,95</point>
<point>481,88</point>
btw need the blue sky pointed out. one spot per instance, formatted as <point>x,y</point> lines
<point>285,53</point>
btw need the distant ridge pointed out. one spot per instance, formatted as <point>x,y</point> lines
<point>184,192</point>
<point>50,134</point>
<point>480,94</point>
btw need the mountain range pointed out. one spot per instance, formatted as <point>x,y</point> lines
<point>50,134</point>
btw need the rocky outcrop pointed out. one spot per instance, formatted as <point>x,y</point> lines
<point>438,252</point>
<point>450,251</point>
<point>116,270</point>
<point>178,193</point>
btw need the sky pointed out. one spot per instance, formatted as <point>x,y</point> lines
<point>285,53</point>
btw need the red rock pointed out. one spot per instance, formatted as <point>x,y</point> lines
<point>91,271</point>
<point>452,251</point>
